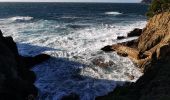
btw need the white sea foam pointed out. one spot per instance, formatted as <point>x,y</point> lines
<point>113,13</point>
<point>71,70</point>
<point>21,18</point>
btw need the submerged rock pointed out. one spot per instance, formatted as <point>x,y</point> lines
<point>101,62</point>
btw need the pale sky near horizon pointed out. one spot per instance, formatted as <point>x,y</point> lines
<point>121,1</point>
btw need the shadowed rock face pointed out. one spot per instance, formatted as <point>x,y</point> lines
<point>153,57</point>
<point>16,78</point>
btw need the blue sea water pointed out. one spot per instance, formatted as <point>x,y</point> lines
<point>73,34</point>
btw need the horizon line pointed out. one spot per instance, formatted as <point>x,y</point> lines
<point>58,2</point>
<point>78,2</point>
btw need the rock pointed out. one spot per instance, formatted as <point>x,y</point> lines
<point>122,54</point>
<point>135,32</point>
<point>72,96</point>
<point>101,62</point>
<point>131,77</point>
<point>153,54</point>
<point>16,80</point>
<point>29,62</point>
<point>107,48</point>
<point>121,37</point>
<point>132,43</point>
<point>156,33</point>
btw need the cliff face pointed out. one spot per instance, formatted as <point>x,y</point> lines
<point>151,51</point>
<point>154,36</point>
<point>156,33</point>
<point>16,78</point>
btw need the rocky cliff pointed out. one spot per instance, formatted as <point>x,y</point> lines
<point>16,78</point>
<point>155,35</point>
<point>151,53</point>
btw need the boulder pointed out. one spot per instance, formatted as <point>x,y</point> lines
<point>121,37</point>
<point>107,48</point>
<point>135,32</point>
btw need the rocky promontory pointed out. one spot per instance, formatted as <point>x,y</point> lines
<point>16,78</point>
<point>151,53</point>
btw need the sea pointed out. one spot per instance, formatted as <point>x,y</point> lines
<point>73,35</point>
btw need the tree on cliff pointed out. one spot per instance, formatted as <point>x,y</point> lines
<point>158,6</point>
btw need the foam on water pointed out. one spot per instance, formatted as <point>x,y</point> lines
<point>21,18</point>
<point>71,68</point>
<point>113,13</point>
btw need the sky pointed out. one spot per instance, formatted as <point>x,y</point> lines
<point>121,1</point>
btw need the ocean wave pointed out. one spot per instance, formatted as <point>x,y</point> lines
<point>72,68</point>
<point>113,13</point>
<point>21,18</point>
<point>70,17</point>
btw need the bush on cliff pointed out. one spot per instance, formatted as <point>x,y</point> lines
<point>158,6</point>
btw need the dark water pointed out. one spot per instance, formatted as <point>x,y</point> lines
<point>73,34</point>
<point>53,11</point>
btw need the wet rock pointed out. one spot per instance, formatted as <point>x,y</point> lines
<point>131,77</point>
<point>135,32</point>
<point>107,48</point>
<point>101,62</point>
<point>121,37</point>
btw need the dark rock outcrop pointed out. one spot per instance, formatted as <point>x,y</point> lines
<point>121,37</point>
<point>135,32</point>
<point>16,78</point>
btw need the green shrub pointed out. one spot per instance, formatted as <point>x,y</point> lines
<point>158,6</point>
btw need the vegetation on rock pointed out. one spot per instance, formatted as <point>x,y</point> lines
<point>158,6</point>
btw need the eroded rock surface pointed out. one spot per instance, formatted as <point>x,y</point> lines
<point>151,51</point>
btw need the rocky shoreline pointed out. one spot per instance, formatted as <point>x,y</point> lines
<point>16,78</point>
<point>150,52</point>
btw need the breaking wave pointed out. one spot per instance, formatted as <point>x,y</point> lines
<point>21,18</point>
<point>113,13</point>
<point>73,67</point>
